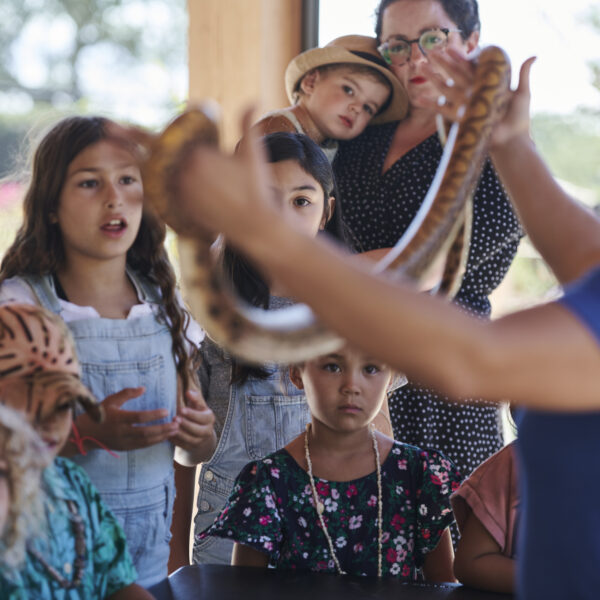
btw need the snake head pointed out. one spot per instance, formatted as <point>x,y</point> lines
<point>166,156</point>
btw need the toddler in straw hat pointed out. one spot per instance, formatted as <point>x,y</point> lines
<point>80,548</point>
<point>336,91</point>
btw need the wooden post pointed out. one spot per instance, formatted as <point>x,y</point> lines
<point>238,52</point>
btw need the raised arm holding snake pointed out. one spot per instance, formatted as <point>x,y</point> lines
<point>546,358</point>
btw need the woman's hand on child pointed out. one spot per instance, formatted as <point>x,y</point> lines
<point>196,438</point>
<point>455,87</point>
<point>127,429</point>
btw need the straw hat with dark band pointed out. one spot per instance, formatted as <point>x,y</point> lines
<point>37,347</point>
<point>349,49</point>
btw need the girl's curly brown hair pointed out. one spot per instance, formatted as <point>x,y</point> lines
<point>38,247</point>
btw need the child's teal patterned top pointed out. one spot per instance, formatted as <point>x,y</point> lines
<point>109,567</point>
<point>271,510</point>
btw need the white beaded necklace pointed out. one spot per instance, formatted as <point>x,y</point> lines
<point>320,507</point>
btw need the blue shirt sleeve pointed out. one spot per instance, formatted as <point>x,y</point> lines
<point>582,298</point>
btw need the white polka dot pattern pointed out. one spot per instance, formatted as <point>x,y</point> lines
<point>378,208</point>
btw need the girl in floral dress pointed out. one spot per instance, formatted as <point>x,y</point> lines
<point>343,497</point>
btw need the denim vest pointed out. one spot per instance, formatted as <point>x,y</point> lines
<point>138,485</point>
<point>263,415</point>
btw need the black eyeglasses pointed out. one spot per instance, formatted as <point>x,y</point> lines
<point>397,51</point>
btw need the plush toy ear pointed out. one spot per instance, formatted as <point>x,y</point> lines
<point>308,82</point>
<point>296,377</point>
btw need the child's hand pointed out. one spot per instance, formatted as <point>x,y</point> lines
<point>127,429</point>
<point>455,85</point>
<point>196,435</point>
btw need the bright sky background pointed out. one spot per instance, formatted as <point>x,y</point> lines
<point>553,30</point>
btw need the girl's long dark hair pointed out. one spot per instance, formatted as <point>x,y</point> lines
<point>245,278</point>
<point>38,247</point>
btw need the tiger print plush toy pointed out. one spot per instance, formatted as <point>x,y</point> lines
<point>37,349</point>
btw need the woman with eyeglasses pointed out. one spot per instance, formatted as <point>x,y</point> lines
<point>383,176</point>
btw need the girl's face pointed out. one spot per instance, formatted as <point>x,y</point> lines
<point>301,197</point>
<point>100,205</point>
<point>345,389</point>
<point>408,19</point>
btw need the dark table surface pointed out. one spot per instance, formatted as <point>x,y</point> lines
<point>222,582</point>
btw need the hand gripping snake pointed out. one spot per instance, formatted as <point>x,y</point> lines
<point>441,226</point>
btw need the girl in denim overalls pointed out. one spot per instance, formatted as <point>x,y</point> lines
<point>88,251</point>
<point>258,409</point>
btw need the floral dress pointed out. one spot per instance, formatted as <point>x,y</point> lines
<point>379,206</point>
<point>271,510</point>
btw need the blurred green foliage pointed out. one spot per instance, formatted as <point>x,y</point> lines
<point>106,56</point>
<point>571,146</point>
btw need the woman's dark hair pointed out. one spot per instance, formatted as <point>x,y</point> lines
<point>38,247</point>
<point>464,13</point>
<point>245,278</point>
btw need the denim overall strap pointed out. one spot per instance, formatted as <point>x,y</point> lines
<point>43,289</point>
<point>147,291</point>
<point>138,485</point>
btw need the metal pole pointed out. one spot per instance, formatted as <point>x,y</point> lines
<point>310,24</point>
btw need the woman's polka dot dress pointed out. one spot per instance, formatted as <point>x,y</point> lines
<point>378,208</point>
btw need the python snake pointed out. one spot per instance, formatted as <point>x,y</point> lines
<point>441,226</point>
